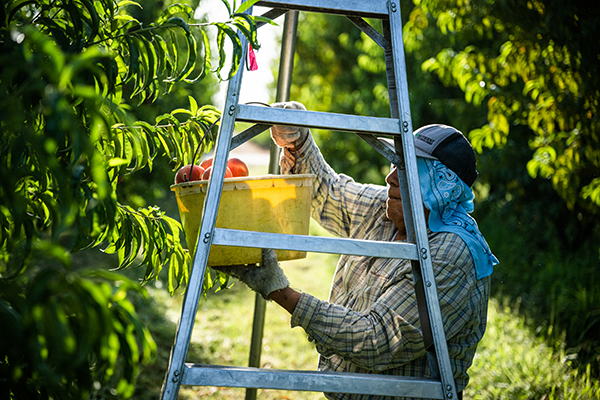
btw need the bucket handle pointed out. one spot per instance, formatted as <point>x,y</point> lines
<point>187,178</point>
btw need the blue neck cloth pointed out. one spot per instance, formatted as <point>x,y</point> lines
<point>450,200</point>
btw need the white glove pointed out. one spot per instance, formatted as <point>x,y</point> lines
<point>290,137</point>
<point>265,279</point>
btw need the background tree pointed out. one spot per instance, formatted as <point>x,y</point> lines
<point>534,66</point>
<point>539,70</point>
<point>73,75</point>
<point>520,79</point>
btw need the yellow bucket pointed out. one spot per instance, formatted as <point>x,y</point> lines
<point>270,203</point>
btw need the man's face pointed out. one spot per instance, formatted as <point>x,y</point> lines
<point>394,210</point>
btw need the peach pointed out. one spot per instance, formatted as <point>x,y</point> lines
<point>189,173</point>
<point>208,171</point>
<point>238,167</point>
<point>206,163</point>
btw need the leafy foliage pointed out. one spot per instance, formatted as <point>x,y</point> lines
<point>526,64</point>
<point>70,324</point>
<point>548,252</point>
<point>70,73</point>
<point>526,60</point>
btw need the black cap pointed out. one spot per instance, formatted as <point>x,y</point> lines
<point>449,146</point>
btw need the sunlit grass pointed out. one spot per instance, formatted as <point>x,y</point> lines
<point>511,363</point>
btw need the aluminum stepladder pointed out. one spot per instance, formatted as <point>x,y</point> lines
<point>398,126</point>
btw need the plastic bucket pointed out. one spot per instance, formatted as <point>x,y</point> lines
<point>270,203</point>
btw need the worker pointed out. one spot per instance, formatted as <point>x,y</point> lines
<point>371,322</point>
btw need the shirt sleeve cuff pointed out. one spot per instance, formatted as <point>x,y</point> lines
<point>304,311</point>
<point>297,160</point>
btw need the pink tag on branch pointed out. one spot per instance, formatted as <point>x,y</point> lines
<point>252,57</point>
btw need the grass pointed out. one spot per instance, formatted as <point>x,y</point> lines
<point>511,363</point>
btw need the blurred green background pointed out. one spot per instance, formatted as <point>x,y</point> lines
<point>520,79</point>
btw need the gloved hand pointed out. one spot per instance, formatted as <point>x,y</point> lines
<point>290,137</point>
<point>265,279</point>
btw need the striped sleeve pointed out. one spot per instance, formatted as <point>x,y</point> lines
<point>378,339</point>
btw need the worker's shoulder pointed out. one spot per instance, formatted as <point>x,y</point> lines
<point>445,238</point>
<point>449,245</point>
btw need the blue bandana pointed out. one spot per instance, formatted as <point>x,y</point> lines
<point>450,200</point>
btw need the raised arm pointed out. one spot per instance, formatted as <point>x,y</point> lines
<point>339,204</point>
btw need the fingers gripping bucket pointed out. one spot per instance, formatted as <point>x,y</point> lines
<point>271,203</point>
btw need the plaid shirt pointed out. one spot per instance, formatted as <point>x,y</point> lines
<point>371,322</point>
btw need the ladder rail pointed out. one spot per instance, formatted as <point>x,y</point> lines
<point>369,9</point>
<point>189,309</point>
<point>419,230</point>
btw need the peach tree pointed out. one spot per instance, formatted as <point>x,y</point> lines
<point>69,71</point>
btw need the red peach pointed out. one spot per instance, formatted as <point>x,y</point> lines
<point>206,163</point>
<point>238,167</point>
<point>189,173</point>
<point>208,171</point>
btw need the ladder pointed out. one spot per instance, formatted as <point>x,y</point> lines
<point>399,126</point>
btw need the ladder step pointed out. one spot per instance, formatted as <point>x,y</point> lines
<point>332,121</point>
<point>316,244</point>
<point>310,381</point>
<point>367,9</point>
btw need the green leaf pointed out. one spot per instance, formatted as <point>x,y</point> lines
<point>225,30</point>
<point>125,3</point>
<point>173,10</point>
<point>78,30</point>
<point>206,58</point>
<point>174,274</point>
<point>165,65</point>
<point>134,64</point>
<point>245,24</point>
<point>193,105</point>
<point>176,22</point>
<point>245,6</point>
<point>228,6</point>
<point>94,19</point>
<point>117,162</point>
<point>259,18</point>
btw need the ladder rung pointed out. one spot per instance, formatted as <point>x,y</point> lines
<point>311,381</point>
<point>316,244</point>
<point>367,9</point>
<point>332,121</point>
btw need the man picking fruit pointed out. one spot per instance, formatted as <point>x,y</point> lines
<point>371,322</point>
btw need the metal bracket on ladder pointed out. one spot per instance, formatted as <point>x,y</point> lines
<point>399,126</point>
